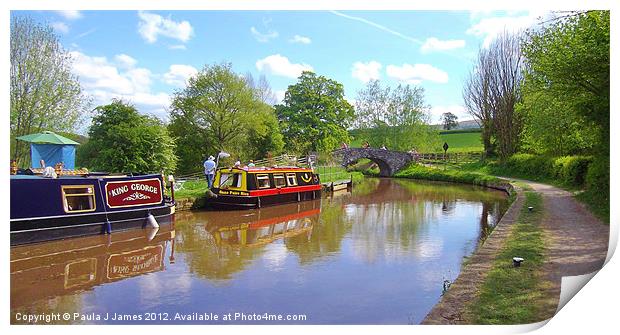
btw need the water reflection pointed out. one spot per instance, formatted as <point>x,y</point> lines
<point>378,255</point>
<point>51,275</point>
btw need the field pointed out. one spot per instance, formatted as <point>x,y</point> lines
<point>459,141</point>
<point>462,142</point>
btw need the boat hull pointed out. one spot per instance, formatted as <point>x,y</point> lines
<point>35,230</point>
<point>247,202</point>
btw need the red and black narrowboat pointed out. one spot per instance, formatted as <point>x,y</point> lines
<point>45,209</point>
<point>256,187</point>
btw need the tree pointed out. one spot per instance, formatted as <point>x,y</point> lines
<point>314,115</point>
<point>45,95</point>
<point>220,110</point>
<point>122,140</point>
<point>567,61</point>
<point>395,117</point>
<point>477,98</point>
<point>449,121</point>
<point>492,91</point>
<point>219,102</point>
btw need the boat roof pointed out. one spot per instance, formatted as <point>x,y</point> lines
<point>254,169</point>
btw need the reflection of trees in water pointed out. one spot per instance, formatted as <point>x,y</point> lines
<point>384,218</point>
<point>326,236</point>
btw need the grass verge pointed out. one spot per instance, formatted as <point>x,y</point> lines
<point>515,295</point>
<point>415,171</point>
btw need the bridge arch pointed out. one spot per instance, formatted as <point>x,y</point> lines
<point>389,161</point>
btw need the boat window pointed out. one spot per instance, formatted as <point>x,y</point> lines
<point>78,198</point>
<point>263,180</point>
<point>291,179</point>
<point>278,180</point>
<point>228,180</point>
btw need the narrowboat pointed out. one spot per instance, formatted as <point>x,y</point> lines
<point>45,209</point>
<point>52,200</point>
<point>256,187</point>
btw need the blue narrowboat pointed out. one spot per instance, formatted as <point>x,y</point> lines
<point>45,209</point>
<point>57,201</point>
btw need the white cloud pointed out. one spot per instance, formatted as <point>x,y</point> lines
<point>104,81</point>
<point>281,66</point>
<point>125,61</point>
<point>415,74</point>
<point>152,25</point>
<point>263,37</point>
<point>435,44</point>
<point>366,72</point>
<point>70,14</point>
<point>458,110</point>
<point>487,27</point>
<point>178,74</point>
<point>300,39</point>
<point>60,27</point>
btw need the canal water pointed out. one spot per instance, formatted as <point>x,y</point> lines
<point>381,254</point>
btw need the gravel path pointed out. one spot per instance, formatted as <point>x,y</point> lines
<point>577,244</point>
<point>577,241</point>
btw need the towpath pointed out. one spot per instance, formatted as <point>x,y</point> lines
<point>577,244</point>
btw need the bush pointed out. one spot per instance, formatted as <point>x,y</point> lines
<point>597,177</point>
<point>571,170</point>
<point>567,170</point>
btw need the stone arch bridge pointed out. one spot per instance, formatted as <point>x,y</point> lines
<point>389,161</point>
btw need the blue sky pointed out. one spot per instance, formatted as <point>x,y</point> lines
<point>144,56</point>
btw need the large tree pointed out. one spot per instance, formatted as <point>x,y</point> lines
<point>567,63</point>
<point>220,102</point>
<point>394,117</point>
<point>45,95</point>
<point>493,90</point>
<point>222,110</point>
<point>314,115</point>
<point>123,140</point>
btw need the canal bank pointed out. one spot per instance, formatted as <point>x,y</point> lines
<point>575,242</point>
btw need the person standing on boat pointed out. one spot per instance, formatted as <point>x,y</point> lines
<point>209,165</point>
<point>251,164</point>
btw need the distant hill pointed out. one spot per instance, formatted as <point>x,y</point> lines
<point>467,124</point>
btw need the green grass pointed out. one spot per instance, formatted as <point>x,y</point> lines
<point>415,171</point>
<point>596,203</point>
<point>191,189</point>
<point>462,142</point>
<point>512,295</point>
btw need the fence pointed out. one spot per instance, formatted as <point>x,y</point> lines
<point>449,158</point>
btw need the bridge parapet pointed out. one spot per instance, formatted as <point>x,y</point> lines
<point>389,161</point>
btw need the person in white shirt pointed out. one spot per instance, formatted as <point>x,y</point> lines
<point>209,166</point>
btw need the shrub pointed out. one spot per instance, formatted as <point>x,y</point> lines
<point>597,177</point>
<point>528,165</point>
<point>567,170</point>
<point>571,170</point>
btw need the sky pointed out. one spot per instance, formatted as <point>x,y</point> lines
<point>145,56</point>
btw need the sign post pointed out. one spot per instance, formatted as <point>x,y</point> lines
<point>445,151</point>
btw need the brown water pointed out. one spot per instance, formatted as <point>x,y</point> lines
<point>378,255</point>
